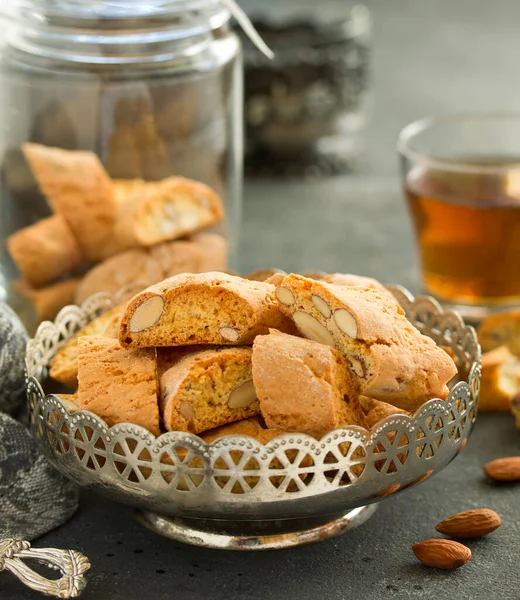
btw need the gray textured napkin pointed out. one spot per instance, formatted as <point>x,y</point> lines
<point>34,497</point>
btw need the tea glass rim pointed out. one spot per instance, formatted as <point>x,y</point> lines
<point>415,128</point>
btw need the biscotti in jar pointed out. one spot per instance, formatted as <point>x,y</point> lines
<point>120,162</point>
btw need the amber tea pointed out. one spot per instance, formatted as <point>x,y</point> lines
<point>467,224</point>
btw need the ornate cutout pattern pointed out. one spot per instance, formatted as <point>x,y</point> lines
<point>178,473</point>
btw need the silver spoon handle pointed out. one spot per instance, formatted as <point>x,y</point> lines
<point>71,564</point>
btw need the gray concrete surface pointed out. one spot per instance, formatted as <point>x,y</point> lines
<point>429,58</point>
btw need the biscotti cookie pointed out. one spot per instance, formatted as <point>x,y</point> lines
<point>140,266</point>
<point>117,272</point>
<point>355,281</point>
<point>125,189</point>
<point>64,364</point>
<point>250,427</point>
<point>118,384</point>
<point>502,328</point>
<point>266,275</point>
<point>500,380</point>
<point>214,251</point>
<point>177,257</point>
<point>376,410</point>
<point>168,356</point>
<point>78,188</point>
<point>209,308</point>
<point>391,359</point>
<point>45,251</point>
<point>49,300</point>
<point>70,402</point>
<point>208,389</point>
<point>303,386</point>
<point>167,210</point>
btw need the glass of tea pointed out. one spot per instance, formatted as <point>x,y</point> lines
<point>461,176</point>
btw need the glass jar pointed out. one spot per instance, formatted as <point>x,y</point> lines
<point>144,99</point>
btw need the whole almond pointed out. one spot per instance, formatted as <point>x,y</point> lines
<point>504,469</point>
<point>470,524</point>
<point>441,554</point>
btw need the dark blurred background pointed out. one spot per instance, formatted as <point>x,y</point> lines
<point>427,58</point>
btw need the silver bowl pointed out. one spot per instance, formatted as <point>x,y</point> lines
<point>236,492</point>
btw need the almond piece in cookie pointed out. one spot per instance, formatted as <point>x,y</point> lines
<point>45,251</point>
<point>118,384</point>
<point>167,210</point>
<point>64,364</point>
<point>500,380</point>
<point>78,188</point>
<point>209,308</point>
<point>208,389</point>
<point>303,386</point>
<point>391,360</point>
<point>499,329</point>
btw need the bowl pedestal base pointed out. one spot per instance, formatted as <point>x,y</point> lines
<point>255,535</point>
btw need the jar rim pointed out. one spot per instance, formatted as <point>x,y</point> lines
<point>78,32</point>
<point>407,147</point>
<point>107,9</point>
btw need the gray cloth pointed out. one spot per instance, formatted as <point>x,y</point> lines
<point>13,339</point>
<point>34,497</point>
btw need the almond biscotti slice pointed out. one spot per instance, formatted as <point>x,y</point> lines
<point>78,188</point>
<point>118,384</point>
<point>390,358</point>
<point>49,300</point>
<point>500,328</point>
<point>500,381</point>
<point>140,266</point>
<point>117,272</point>
<point>168,356</point>
<point>208,308</point>
<point>250,427</point>
<point>303,386</point>
<point>214,249</point>
<point>177,257</point>
<point>45,251</point>
<point>64,364</point>
<point>208,389</point>
<point>355,281</point>
<point>167,210</point>
<point>376,410</point>
<point>125,189</point>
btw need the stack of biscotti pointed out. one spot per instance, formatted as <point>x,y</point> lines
<point>107,235</point>
<point>233,355</point>
<point>499,336</point>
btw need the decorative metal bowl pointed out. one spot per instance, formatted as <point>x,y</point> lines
<point>241,494</point>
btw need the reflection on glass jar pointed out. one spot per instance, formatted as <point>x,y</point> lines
<point>144,102</point>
